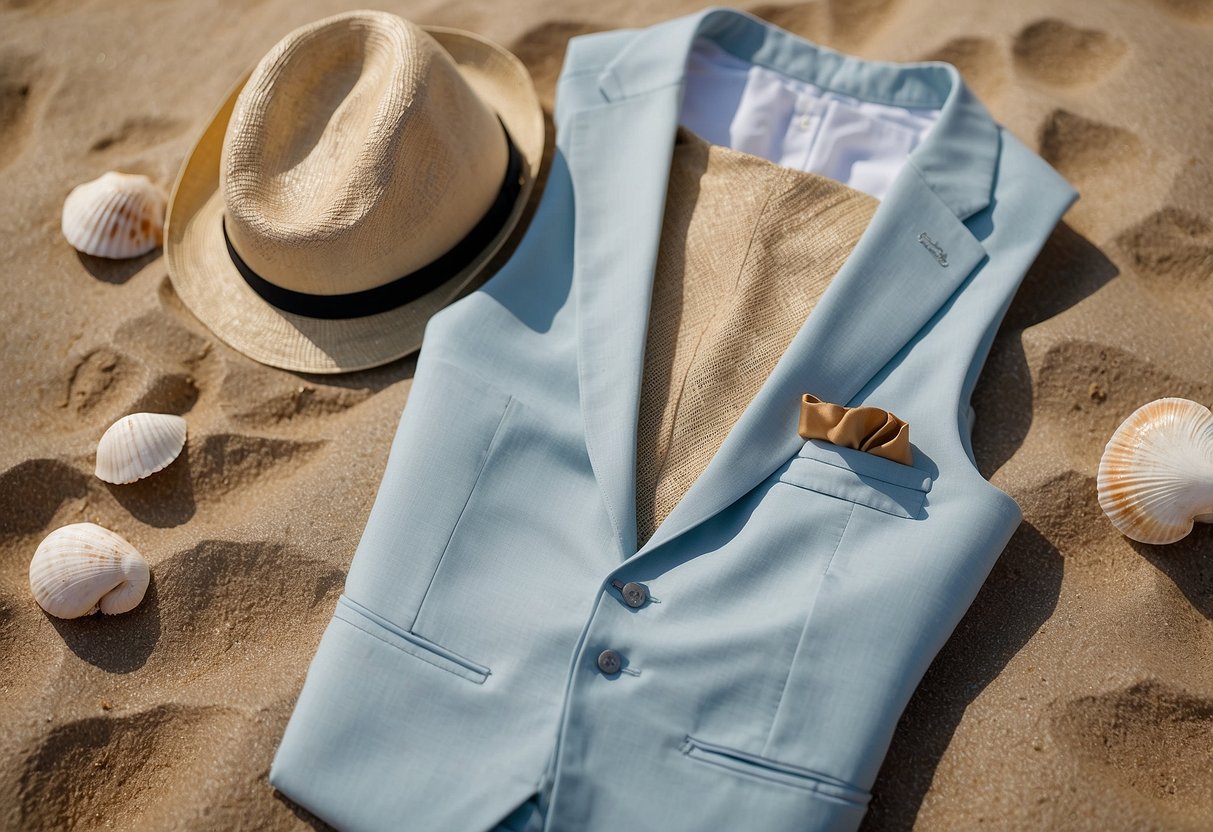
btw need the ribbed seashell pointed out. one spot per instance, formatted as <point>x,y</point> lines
<point>1156,474</point>
<point>117,215</point>
<point>81,568</point>
<point>139,445</point>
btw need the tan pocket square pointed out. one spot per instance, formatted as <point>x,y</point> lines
<point>868,429</point>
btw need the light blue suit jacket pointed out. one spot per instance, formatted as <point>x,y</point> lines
<point>799,590</point>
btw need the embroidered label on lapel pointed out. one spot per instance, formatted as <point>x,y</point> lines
<point>937,252</point>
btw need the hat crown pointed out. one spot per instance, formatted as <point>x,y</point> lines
<point>355,155</point>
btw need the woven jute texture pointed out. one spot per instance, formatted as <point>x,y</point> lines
<point>747,249</point>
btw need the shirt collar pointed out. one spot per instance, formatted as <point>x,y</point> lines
<point>957,159</point>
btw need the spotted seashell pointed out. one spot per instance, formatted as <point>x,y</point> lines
<point>118,215</point>
<point>1156,475</point>
<point>139,445</point>
<point>81,568</point>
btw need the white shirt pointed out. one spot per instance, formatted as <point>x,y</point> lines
<point>797,124</point>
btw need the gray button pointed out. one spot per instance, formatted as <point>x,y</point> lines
<point>609,662</point>
<point>634,594</point>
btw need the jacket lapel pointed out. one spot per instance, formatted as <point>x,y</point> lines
<point>619,158</point>
<point>892,285</point>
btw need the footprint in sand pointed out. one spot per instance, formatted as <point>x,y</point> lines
<point>1067,506</point>
<point>255,397</point>
<point>18,91</point>
<point>38,6</point>
<point>809,20</point>
<point>1193,11</point>
<point>31,493</point>
<point>224,462</point>
<point>853,21</point>
<point>166,393</point>
<point>1150,737</point>
<point>93,772</point>
<point>99,377</point>
<point>980,62</point>
<point>1085,390</point>
<point>105,384</point>
<point>211,468</point>
<point>138,133</point>
<point>1173,250</point>
<point>842,24</point>
<point>157,337</point>
<point>1086,151</point>
<point>1057,53</point>
<point>221,601</point>
<point>1098,159</point>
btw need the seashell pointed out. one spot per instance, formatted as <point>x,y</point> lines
<point>117,215</point>
<point>1156,474</point>
<point>139,445</point>
<point>81,568</point>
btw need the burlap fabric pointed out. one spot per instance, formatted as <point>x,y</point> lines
<point>747,249</point>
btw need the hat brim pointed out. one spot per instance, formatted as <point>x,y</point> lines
<point>210,286</point>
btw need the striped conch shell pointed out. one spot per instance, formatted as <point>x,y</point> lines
<point>82,568</point>
<point>1156,475</point>
<point>139,445</point>
<point>118,215</point>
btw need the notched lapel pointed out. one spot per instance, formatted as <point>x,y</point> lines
<point>893,283</point>
<point>619,160</point>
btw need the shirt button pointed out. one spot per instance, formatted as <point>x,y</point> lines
<point>804,122</point>
<point>609,662</point>
<point>634,594</point>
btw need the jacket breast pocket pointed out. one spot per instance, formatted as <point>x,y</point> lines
<point>859,477</point>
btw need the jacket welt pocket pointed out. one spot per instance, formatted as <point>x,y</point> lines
<point>859,477</point>
<point>751,765</point>
<point>376,626</point>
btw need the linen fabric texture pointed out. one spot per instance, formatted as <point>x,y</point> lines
<point>747,249</point>
<point>791,598</point>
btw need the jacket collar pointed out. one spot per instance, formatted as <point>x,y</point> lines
<point>619,157</point>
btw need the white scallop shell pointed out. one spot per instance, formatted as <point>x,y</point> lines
<point>139,445</point>
<point>81,568</point>
<point>117,215</point>
<point>1156,474</point>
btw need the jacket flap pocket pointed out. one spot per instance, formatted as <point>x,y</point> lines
<point>859,477</point>
<point>361,618</point>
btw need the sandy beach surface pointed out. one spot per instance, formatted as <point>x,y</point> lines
<point>1076,694</point>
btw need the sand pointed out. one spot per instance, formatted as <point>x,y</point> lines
<point>1076,694</point>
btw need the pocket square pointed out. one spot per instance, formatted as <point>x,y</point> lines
<point>868,429</point>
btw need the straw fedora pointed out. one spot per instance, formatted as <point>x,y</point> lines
<point>361,175</point>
